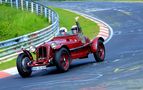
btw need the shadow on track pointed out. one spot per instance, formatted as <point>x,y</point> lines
<point>53,70</point>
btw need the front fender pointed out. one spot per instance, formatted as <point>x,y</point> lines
<point>62,46</point>
<point>58,47</point>
<point>94,43</point>
<point>28,54</point>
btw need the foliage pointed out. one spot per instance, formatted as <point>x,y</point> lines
<point>14,22</point>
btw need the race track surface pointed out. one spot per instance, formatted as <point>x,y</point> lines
<point>123,66</point>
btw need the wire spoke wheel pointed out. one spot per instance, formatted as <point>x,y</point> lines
<point>62,59</point>
<point>22,65</point>
<point>101,51</point>
<point>99,55</point>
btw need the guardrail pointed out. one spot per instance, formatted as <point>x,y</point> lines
<point>12,47</point>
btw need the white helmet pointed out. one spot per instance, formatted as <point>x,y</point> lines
<point>63,30</point>
<point>74,29</point>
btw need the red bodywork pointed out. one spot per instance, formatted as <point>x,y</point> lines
<point>73,43</point>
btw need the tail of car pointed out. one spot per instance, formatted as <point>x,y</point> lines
<point>94,43</point>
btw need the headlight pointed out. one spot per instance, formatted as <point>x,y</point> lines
<point>53,45</point>
<point>32,49</point>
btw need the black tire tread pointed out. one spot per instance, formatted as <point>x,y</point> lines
<point>19,66</point>
<point>97,58</point>
<point>57,57</point>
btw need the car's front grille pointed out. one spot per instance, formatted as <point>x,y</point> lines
<point>42,52</point>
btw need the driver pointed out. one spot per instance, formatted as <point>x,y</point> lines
<point>62,31</point>
<point>74,29</point>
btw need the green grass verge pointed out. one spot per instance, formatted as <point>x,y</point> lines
<point>15,22</point>
<point>103,0</point>
<point>67,19</point>
<point>90,29</point>
<point>11,63</point>
<point>8,64</point>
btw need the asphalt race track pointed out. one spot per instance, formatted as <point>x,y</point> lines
<point>123,66</point>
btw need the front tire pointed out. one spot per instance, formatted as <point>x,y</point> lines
<point>22,66</point>
<point>99,55</point>
<point>62,59</point>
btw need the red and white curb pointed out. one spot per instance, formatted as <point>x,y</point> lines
<point>105,31</point>
<point>8,72</point>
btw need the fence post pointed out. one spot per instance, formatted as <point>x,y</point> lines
<point>41,10</point>
<point>52,17</point>
<point>22,4</point>
<point>17,4</point>
<point>11,3</point>
<point>45,12</point>
<point>37,9</point>
<point>0,1</point>
<point>27,5</point>
<point>32,10</point>
<point>49,12</point>
<point>6,1</point>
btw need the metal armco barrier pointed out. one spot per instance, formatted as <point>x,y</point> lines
<point>12,47</point>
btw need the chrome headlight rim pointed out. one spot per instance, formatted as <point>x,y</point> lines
<point>32,48</point>
<point>53,45</point>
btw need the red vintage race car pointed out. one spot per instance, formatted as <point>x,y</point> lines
<point>60,52</point>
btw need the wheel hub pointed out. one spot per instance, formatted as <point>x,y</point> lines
<point>24,64</point>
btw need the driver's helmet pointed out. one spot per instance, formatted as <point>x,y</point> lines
<point>74,29</point>
<point>62,30</point>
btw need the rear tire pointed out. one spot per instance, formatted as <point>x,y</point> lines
<point>62,60</point>
<point>99,55</point>
<point>22,66</point>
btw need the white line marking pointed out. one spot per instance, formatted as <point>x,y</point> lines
<point>97,10</point>
<point>56,82</point>
<point>116,60</point>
